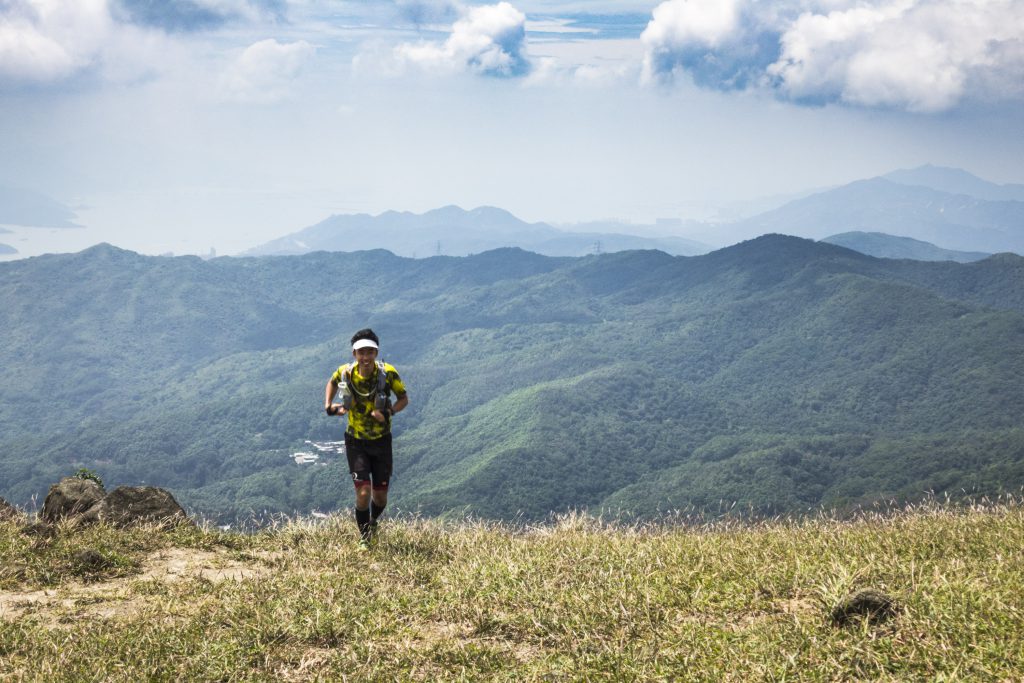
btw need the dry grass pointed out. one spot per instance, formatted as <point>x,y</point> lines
<point>574,600</point>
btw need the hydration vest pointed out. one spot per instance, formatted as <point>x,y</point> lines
<point>379,393</point>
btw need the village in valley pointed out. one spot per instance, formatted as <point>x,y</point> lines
<point>319,452</point>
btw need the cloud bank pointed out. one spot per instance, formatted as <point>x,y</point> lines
<point>44,41</point>
<point>47,41</point>
<point>264,72</point>
<point>916,55</point>
<point>718,42</point>
<point>489,40</point>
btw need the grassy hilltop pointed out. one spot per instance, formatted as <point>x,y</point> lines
<point>572,600</point>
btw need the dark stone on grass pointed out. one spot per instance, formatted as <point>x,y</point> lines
<point>69,497</point>
<point>874,605</point>
<point>90,560</point>
<point>129,505</point>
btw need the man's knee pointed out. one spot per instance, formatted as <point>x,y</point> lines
<point>362,490</point>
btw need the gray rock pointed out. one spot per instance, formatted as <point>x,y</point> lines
<point>69,497</point>
<point>876,606</point>
<point>89,560</point>
<point>128,505</point>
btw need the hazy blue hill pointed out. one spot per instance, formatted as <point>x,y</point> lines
<point>956,181</point>
<point>892,246</point>
<point>458,232</point>
<point>7,249</point>
<point>951,221</point>
<point>780,372</point>
<point>453,231</point>
<point>19,206</point>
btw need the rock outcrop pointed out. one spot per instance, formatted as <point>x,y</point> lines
<point>85,501</point>
<point>128,505</point>
<point>70,497</point>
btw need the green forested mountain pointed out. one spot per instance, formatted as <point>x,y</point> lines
<point>779,374</point>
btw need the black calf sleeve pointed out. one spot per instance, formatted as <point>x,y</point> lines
<point>363,521</point>
<point>376,511</point>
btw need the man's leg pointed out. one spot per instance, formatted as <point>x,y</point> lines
<point>382,459</point>
<point>359,467</point>
<point>378,502</point>
<point>363,508</point>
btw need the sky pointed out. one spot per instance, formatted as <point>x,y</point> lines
<point>186,126</point>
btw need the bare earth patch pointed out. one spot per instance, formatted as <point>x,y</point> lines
<point>110,599</point>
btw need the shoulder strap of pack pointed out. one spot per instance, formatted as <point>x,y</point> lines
<point>382,378</point>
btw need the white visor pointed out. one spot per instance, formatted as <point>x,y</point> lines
<point>363,343</point>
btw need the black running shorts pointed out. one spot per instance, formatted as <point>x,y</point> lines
<point>369,460</point>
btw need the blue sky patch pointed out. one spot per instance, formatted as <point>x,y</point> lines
<point>594,26</point>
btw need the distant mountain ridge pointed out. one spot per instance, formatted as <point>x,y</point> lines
<point>949,208</point>
<point>883,245</point>
<point>951,221</point>
<point>956,181</point>
<point>453,231</point>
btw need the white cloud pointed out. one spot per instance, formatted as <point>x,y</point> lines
<point>682,22</point>
<point>264,72</point>
<point>918,55</point>
<point>922,56</point>
<point>43,40</point>
<point>50,42</point>
<point>551,72</point>
<point>716,41</point>
<point>489,40</point>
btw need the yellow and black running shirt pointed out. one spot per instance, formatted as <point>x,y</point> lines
<point>360,422</point>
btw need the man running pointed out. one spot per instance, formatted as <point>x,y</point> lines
<point>366,387</point>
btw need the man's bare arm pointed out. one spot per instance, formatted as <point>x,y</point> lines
<point>330,391</point>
